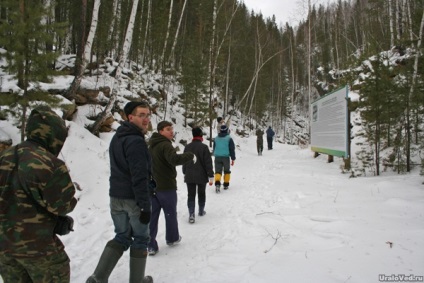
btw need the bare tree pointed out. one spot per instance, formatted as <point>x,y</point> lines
<point>161,60</point>
<point>113,27</point>
<point>411,92</point>
<point>85,56</point>
<point>171,55</point>
<point>392,36</point>
<point>212,67</point>
<point>149,15</point>
<point>122,59</point>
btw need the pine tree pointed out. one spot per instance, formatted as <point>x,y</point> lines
<point>27,33</point>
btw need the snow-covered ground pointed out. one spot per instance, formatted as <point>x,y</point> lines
<point>287,217</point>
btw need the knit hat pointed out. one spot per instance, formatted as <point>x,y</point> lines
<point>197,132</point>
<point>224,129</point>
<point>130,106</point>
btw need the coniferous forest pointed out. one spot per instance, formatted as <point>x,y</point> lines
<point>224,55</point>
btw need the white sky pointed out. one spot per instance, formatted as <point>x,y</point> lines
<point>291,11</point>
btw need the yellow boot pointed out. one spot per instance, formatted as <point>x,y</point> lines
<point>218,182</point>
<point>226,180</point>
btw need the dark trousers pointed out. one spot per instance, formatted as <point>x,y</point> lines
<point>166,200</point>
<point>260,145</point>
<point>269,140</point>
<point>191,197</point>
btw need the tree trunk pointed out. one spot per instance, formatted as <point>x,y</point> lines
<point>148,19</point>
<point>171,59</point>
<point>212,67</point>
<point>411,93</point>
<point>85,55</point>
<point>113,30</point>
<point>392,35</point>
<point>162,57</point>
<point>123,58</point>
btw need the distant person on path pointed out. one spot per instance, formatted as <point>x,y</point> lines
<point>259,141</point>
<point>223,150</point>
<point>130,188</point>
<point>269,137</point>
<point>220,122</point>
<point>35,190</point>
<point>197,175</point>
<point>165,159</point>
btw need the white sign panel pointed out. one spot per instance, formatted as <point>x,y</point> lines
<point>329,124</point>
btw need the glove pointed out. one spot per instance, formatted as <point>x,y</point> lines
<point>194,158</point>
<point>145,217</point>
<point>64,225</point>
<point>232,162</point>
<point>152,187</point>
<point>211,181</point>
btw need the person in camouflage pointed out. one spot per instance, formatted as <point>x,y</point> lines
<point>259,141</point>
<point>29,250</point>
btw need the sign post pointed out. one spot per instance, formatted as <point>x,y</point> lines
<point>330,131</point>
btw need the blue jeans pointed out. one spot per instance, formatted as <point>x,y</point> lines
<point>129,231</point>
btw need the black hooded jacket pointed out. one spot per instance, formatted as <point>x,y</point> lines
<point>130,166</point>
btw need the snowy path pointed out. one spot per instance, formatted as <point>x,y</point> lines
<point>290,218</point>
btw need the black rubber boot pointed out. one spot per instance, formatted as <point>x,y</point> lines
<point>108,260</point>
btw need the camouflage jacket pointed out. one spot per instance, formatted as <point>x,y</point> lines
<point>26,228</point>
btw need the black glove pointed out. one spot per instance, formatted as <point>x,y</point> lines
<point>152,187</point>
<point>145,217</point>
<point>64,225</point>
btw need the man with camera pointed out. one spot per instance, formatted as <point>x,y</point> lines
<point>36,194</point>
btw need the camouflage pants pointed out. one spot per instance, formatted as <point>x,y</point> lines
<point>260,145</point>
<point>52,268</point>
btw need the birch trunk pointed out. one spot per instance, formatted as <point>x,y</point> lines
<point>411,93</point>
<point>123,58</point>
<point>86,54</point>
<point>411,34</point>
<point>112,28</point>
<point>171,59</point>
<point>149,13</point>
<point>212,68</point>
<point>161,60</point>
<point>398,21</point>
<point>392,35</point>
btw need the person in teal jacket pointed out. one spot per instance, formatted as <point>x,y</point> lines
<point>224,151</point>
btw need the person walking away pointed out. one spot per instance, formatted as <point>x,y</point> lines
<point>269,137</point>
<point>259,141</point>
<point>165,159</point>
<point>197,175</point>
<point>130,187</point>
<point>220,121</point>
<point>223,150</point>
<point>35,191</point>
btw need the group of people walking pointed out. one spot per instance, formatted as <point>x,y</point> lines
<point>36,190</point>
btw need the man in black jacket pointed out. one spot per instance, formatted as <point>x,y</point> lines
<point>165,158</point>
<point>130,189</point>
<point>197,175</point>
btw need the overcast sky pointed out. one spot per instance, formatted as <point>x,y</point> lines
<point>291,11</point>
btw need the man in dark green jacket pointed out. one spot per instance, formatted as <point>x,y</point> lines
<point>164,160</point>
<point>35,188</point>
